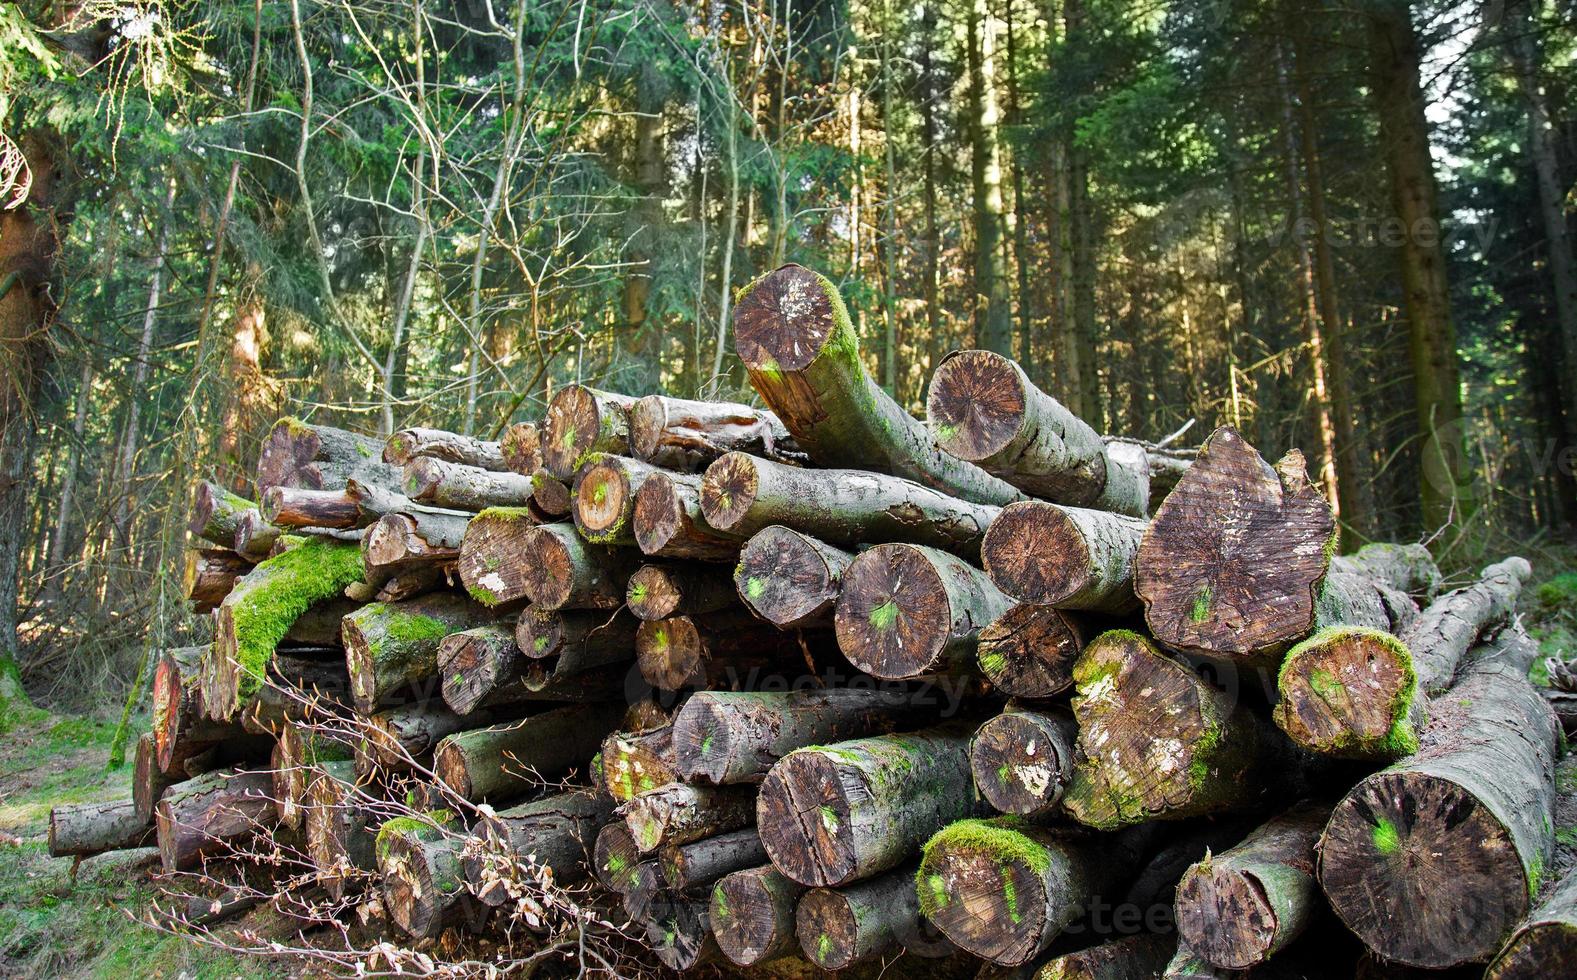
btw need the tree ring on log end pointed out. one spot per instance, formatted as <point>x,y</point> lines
<point>550,578</point>
<point>1018,765</point>
<point>728,489</point>
<point>782,322</point>
<point>893,617</point>
<point>703,741</point>
<point>1029,651</point>
<point>657,514</point>
<point>671,652</point>
<point>648,419</point>
<point>1223,914</point>
<point>601,496</point>
<point>572,425</point>
<point>976,404</point>
<point>828,929</point>
<point>995,904</point>
<point>449,765</point>
<point>782,576</point>
<point>743,920</point>
<point>802,814</point>
<point>1348,691</point>
<point>1037,553</point>
<point>653,591</point>
<point>408,888</point>
<point>539,633</point>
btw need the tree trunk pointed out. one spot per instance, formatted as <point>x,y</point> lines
<point>752,915</point>
<point>687,867</point>
<point>727,649</point>
<point>790,579</point>
<point>1029,651</point>
<point>1067,557</point>
<point>180,727</point>
<point>392,647</point>
<point>521,447</point>
<point>509,759</point>
<point>84,829</point>
<point>1081,230</point>
<point>678,814</point>
<point>398,544</point>
<point>495,561</point>
<point>457,486</point>
<point>408,444</point>
<point>669,522</point>
<point>255,538</point>
<point>604,497</point>
<point>660,591</point>
<point>210,815</point>
<point>993,307</point>
<point>684,435</point>
<point>678,932</point>
<point>581,421</point>
<point>1023,760</point>
<point>553,833</point>
<point>1546,944</point>
<point>293,507</point>
<point>216,513</point>
<point>399,738</point>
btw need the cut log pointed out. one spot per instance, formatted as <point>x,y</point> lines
<point>563,571</point>
<point>302,684</point>
<point>255,538</point>
<point>1029,651</point>
<point>391,647</point>
<point>215,513</point>
<point>84,829</point>
<point>423,882</point>
<point>910,611</point>
<point>615,858</point>
<point>1004,890</point>
<point>685,435</point>
<point>790,579</point>
<point>668,521</point>
<point>743,494</point>
<point>494,560</point>
<point>453,485</point>
<point>552,835</point>
<point>686,867</point>
<point>210,575</point>
<point>679,813</point>
<point>506,760</point>
<point>521,448</point>
<point>211,814</point>
<point>1023,760</point>
<point>638,762</point>
<point>1432,861</point>
<point>660,591</point>
<point>550,495</point>
<point>679,933</point>
<point>180,728</point>
<point>1239,908</point>
<point>588,633</point>
<point>148,781</point>
<point>320,457</point>
<point>1067,557</point>
<point>1407,568</point>
<point>341,827</point>
<point>604,495</point>
<point>564,680</point>
<point>1141,957</point>
<point>476,663</point>
<point>839,927</point>
<point>1543,946</point>
<point>829,815</point>
<point>581,421</point>
<point>794,334</point>
<point>396,739</point>
<point>451,447</point>
<point>752,915</point>
<point>726,649</point>
<point>736,736</point>
<point>295,507</point>
<point>981,407</point>
<point>1355,692</point>
<point>1159,742</point>
<point>298,752</point>
<point>646,887</point>
<point>400,543</point>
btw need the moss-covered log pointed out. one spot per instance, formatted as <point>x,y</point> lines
<point>210,575</point>
<point>790,579</point>
<point>687,867</point>
<point>659,591</point>
<point>685,435</point>
<point>1068,557</point>
<point>604,493</point>
<point>320,457</point>
<point>419,863</point>
<point>581,421</point>
<point>829,815</point>
<point>1023,760</point>
<point>296,507</point>
<point>298,751</point>
<point>743,494</point>
<point>1239,908</point>
<point>84,829</point>
<point>1158,742</point>
<point>736,736</point>
<point>209,815</point>
<point>752,915</point>
<point>794,335</point>
<point>554,834</point>
<point>1004,890</point>
<point>1029,651</point>
<point>839,927</point>
<point>521,447</point>
<point>506,760</point>
<point>495,562</point>
<point>981,407</point>
<point>679,813</point>
<point>392,647</point>
<point>471,488</point>
<point>1140,957</point>
<point>908,611</point>
<point>668,521</point>
<point>341,825</point>
<point>564,571</point>
<point>215,513</point>
<point>550,496</point>
<point>722,649</point>
<point>451,447</point>
<point>638,762</point>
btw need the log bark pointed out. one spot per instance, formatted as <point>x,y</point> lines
<point>727,737</point>
<point>392,647</point>
<point>1029,651</point>
<point>298,752</point>
<point>1543,946</point>
<point>679,813</point>
<point>668,521</point>
<point>743,494</point>
<point>216,513</point>
<point>752,915</point>
<point>1004,890</point>
<point>450,447</point>
<point>909,611</point>
<point>566,572</point>
<point>1141,957</point>
<point>726,649</point>
<point>1432,861</point>
<point>304,683</point>
<point>495,562</point>
<point>320,457</point>
<point>1158,742</point>
<point>180,728</point>
<point>295,507</point>
<point>839,927</point>
<point>397,738</point>
<point>148,781</point>
<point>835,814</point>
<point>209,815</point>
<point>1407,568</point>
<point>981,407</point>
<point>638,762</point>
<point>1068,557</point>
<point>210,575</point>
<point>399,543</point>
<point>790,579</point>
<point>454,485</point>
<point>506,760</point>
<point>553,835</point>
<point>255,538</point>
<point>1239,908</point>
<point>794,335</point>
<point>1023,760</point>
<point>423,882</point>
<point>478,663</point>
<point>550,495</point>
<point>687,867</point>
<point>1356,692</point>
<point>660,591</point>
<point>685,435</point>
<point>615,858</point>
<point>84,829</point>
<point>581,421</point>
<point>341,828</point>
<point>521,448</point>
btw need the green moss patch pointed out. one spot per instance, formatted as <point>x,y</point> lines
<point>1386,838</point>
<point>287,586</point>
<point>423,826</point>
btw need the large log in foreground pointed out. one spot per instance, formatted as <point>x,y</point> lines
<point>391,646</point>
<point>839,927</point>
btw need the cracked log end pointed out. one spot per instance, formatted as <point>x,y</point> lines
<point>1224,916</point>
<point>783,320</point>
<point>728,489</point>
<point>976,404</point>
<point>803,816</point>
<point>893,617</point>
<point>1036,553</point>
<point>784,578</point>
<point>1029,651</point>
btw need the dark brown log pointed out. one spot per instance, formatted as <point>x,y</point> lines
<point>495,562</point>
<point>408,444</point>
<point>615,858</point>
<point>398,544</point>
<point>301,684</point>
<point>298,751</point>
<point>1546,944</point>
<point>84,829</point>
<point>180,728</point>
<point>553,835</point>
<point>566,572</point>
<point>719,649</point>
<point>668,521</point>
<point>476,663</point>
<point>471,488</point>
<point>210,575</point>
<point>215,513</point>
<point>506,760</point>
<point>389,647</point>
<point>255,538</point>
<point>320,457</point>
<point>1239,908</point>
<point>752,915</point>
<point>1433,861</point>
<point>1029,651</point>
<point>209,815</point>
<point>638,762</point>
<point>521,447</point>
<point>590,633</point>
<point>743,494</point>
<point>910,611</point>
<point>581,421</point>
<point>423,882</point>
<point>1023,760</point>
<point>645,888</point>
<point>981,407</point>
<point>839,927</point>
<point>296,507</point>
<point>604,495</point>
<point>1140,957</point>
<point>679,813</point>
<point>686,867</point>
<point>550,495</point>
<point>679,932</point>
<point>660,591</point>
<point>736,736</point>
<point>790,579</point>
<point>341,827</point>
<point>148,781</point>
<point>396,738</point>
<point>794,335</point>
<point>685,435</point>
<point>1067,557</point>
<point>829,815</point>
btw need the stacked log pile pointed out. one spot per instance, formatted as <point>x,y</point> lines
<point>821,680</point>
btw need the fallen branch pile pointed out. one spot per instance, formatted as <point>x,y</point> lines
<point>821,680</point>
